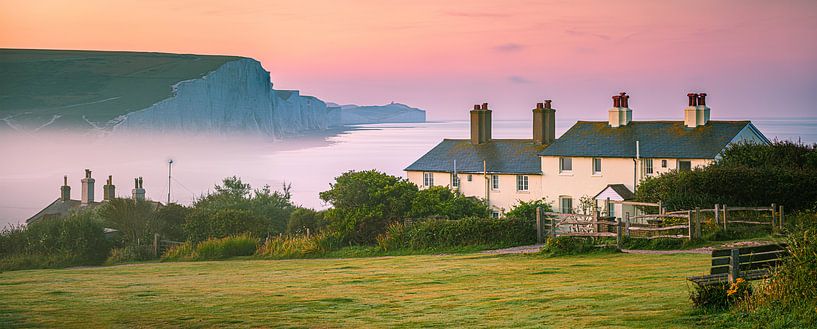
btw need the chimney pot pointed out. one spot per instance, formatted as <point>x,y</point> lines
<point>693,99</point>
<point>540,105</point>
<point>87,188</point>
<point>485,106</point>
<point>548,103</point>
<point>616,101</point>
<point>476,107</point>
<point>625,101</point>
<point>702,99</point>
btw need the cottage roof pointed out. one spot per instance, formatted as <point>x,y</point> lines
<point>657,139</point>
<point>509,156</point>
<point>618,189</point>
<point>58,208</point>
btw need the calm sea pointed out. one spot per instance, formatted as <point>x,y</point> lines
<point>32,172</point>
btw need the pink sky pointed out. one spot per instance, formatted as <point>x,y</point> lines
<point>754,58</point>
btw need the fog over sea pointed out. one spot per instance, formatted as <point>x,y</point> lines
<point>32,165</point>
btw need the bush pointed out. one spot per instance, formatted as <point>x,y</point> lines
<point>78,239</point>
<point>301,246</point>
<point>440,201</point>
<point>568,245</point>
<point>527,209</point>
<point>129,254</point>
<point>210,249</point>
<point>720,296</point>
<point>302,219</point>
<point>658,243</point>
<point>203,224</point>
<point>472,231</point>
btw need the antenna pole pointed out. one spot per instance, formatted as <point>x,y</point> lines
<point>169,171</point>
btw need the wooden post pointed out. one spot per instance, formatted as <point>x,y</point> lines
<point>717,214</point>
<point>698,222</point>
<point>627,222</point>
<point>607,207</point>
<point>689,222</point>
<point>725,217</point>
<point>596,226</point>
<point>539,225</point>
<point>660,208</point>
<point>307,232</point>
<point>734,265</point>
<point>618,233</point>
<point>780,213</point>
<point>553,226</point>
<point>774,208</point>
<point>156,245</point>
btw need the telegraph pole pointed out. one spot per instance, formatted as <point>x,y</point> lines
<point>169,171</point>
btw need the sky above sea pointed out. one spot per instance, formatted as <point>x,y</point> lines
<point>754,58</point>
<point>33,165</point>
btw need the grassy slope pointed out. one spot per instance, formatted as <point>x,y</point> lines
<point>620,290</point>
<point>37,84</point>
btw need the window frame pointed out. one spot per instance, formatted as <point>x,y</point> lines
<point>684,161</point>
<point>663,163</point>
<point>455,180</point>
<point>495,182</point>
<point>648,167</point>
<point>562,161</point>
<point>495,214</point>
<point>428,179</point>
<point>522,183</point>
<point>593,166</point>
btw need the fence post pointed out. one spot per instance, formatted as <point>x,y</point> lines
<point>689,222</point>
<point>155,244</point>
<point>660,208</point>
<point>717,214</point>
<point>618,233</point>
<point>627,222</point>
<point>553,226</point>
<point>725,217</point>
<point>307,232</point>
<point>698,222</point>
<point>734,265</point>
<point>774,208</point>
<point>539,225</point>
<point>781,217</point>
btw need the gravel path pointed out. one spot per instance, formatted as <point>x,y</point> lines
<point>705,250</point>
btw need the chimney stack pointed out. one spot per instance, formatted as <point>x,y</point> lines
<point>480,124</point>
<point>620,114</point>
<point>87,188</point>
<point>65,190</point>
<point>138,190</point>
<point>697,113</point>
<point>544,123</point>
<point>109,190</point>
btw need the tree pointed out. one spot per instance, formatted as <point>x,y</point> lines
<point>527,209</point>
<point>168,221</point>
<point>203,224</point>
<point>302,219</point>
<point>365,202</point>
<point>440,201</point>
<point>130,217</point>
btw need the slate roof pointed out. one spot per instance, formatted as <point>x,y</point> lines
<point>511,156</point>
<point>58,208</point>
<point>620,189</point>
<point>657,139</point>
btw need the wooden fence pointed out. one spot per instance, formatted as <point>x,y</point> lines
<point>160,246</point>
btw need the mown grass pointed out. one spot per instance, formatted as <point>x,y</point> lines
<point>466,290</point>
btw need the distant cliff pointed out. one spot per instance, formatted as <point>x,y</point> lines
<point>394,112</point>
<point>130,91</point>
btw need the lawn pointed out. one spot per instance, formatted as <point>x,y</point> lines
<point>606,290</point>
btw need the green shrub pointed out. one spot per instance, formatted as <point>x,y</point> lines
<point>129,254</point>
<point>441,201</point>
<point>203,224</point>
<point>301,246</point>
<point>658,243</point>
<point>302,219</point>
<point>568,245</point>
<point>211,249</point>
<point>78,239</point>
<point>527,209</point>
<point>472,231</point>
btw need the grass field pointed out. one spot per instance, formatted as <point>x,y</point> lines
<point>605,290</point>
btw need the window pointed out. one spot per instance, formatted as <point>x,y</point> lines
<point>428,179</point>
<point>596,166</point>
<point>565,164</point>
<point>494,182</point>
<point>521,183</point>
<point>495,214</point>
<point>566,204</point>
<point>648,166</point>
<point>684,165</point>
<point>611,209</point>
<point>455,180</point>
<point>469,177</point>
<point>663,163</point>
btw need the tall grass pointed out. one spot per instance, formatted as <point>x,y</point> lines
<point>210,249</point>
<point>300,246</point>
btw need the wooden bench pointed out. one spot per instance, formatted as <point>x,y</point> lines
<point>749,263</point>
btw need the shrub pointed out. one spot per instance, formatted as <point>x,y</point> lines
<point>568,245</point>
<point>300,246</point>
<point>472,231</point>
<point>720,296</point>
<point>441,201</point>
<point>527,209</point>
<point>658,243</point>
<point>210,249</point>
<point>203,224</point>
<point>78,239</point>
<point>130,254</point>
<point>302,219</point>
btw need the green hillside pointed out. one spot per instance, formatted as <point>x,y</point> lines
<point>37,85</point>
